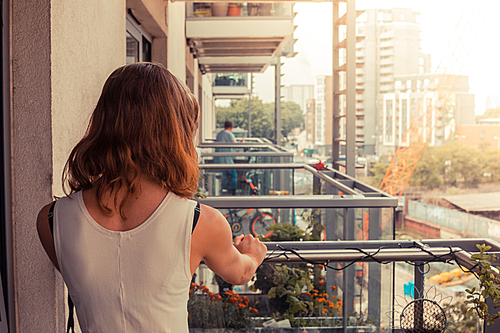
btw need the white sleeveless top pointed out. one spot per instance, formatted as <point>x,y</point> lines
<point>126,281</point>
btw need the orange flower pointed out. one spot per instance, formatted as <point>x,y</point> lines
<point>255,311</point>
<point>325,295</point>
<point>190,292</point>
<point>320,282</point>
<point>333,287</point>
<point>325,311</point>
<point>241,306</point>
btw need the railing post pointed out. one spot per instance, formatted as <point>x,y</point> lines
<point>374,269</point>
<point>418,293</point>
<point>348,273</point>
<point>332,228</point>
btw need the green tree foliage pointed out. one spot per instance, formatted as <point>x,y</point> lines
<point>427,171</point>
<point>449,165</point>
<point>490,113</point>
<point>262,117</point>
<point>456,165</point>
<point>378,172</point>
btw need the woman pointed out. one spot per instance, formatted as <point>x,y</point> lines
<point>123,238</point>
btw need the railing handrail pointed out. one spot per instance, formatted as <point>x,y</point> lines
<point>429,250</point>
<point>249,153</point>
<point>300,201</point>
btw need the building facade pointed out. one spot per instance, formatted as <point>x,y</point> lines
<point>389,46</point>
<point>417,94</point>
<point>299,94</point>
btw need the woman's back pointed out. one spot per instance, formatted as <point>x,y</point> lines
<point>127,281</point>
<point>122,244</point>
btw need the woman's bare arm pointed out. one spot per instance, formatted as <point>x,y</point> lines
<point>43,227</point>
<point>212,242</point>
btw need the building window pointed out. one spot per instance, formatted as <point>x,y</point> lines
<point>132,49</point>
<point>389,121</point>
<point>138,42</point>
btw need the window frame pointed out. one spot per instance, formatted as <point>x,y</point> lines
<point>140,35</point>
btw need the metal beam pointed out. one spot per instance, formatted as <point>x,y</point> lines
<point>277,102</point>
<point>350,153</point>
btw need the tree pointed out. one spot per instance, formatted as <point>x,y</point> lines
<point>262,116</point>
<point>427,171</point>
<point>490,113</point>
<point>378,172</point>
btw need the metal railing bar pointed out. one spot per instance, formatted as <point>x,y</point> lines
<point>247,153</point>
<point>299,201</point>
<point>467,244</point>
<point>252,166</point>
<point>385,255</point>
<point>338,185</point>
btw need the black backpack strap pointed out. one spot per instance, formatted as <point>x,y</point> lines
<point>71,306</point>
<point>197,211</point>
<point>71,318</point>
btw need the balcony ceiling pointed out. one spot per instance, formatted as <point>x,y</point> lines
<point>237,45</point>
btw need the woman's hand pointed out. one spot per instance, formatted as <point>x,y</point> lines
<point>251,246</point>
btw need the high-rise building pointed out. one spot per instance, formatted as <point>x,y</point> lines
<point>389,46</point>
<point>299,94</point>
<point>309,122</point>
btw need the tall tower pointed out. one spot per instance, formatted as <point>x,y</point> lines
<point>390,47</point>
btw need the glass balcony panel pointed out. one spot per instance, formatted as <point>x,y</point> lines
<point>248,181</point>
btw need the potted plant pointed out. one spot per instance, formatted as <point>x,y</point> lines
<point>223,312</point>
<point>489,286</point>
<point>234,9</point>
<point>219,8</point>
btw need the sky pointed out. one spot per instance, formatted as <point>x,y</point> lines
<point>478,40</point>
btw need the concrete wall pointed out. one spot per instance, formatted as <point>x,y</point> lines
<point>61,54</point>
<point>88,43</point>
<point>36,282</point>
<point>177,40</point>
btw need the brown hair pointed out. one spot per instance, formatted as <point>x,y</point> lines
<point>143,123</point>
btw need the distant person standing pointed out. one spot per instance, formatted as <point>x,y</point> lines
<point>229,174</point>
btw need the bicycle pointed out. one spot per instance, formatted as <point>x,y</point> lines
<point>259,221</point>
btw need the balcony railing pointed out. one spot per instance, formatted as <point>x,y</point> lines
<point>388,276</point>
<point>370,280</point>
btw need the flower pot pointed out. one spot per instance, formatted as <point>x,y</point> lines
<point>234,10</point>
<point>219,8</point>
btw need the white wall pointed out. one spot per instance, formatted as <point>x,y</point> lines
<point>177,40</point>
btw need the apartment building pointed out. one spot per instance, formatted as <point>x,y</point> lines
<point>309,123</point>
<point>55,58</point>
<point>298,93</point>
<point>417,94</point>
<point>389,46</point>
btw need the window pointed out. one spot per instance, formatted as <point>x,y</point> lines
<point>138,42</point>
